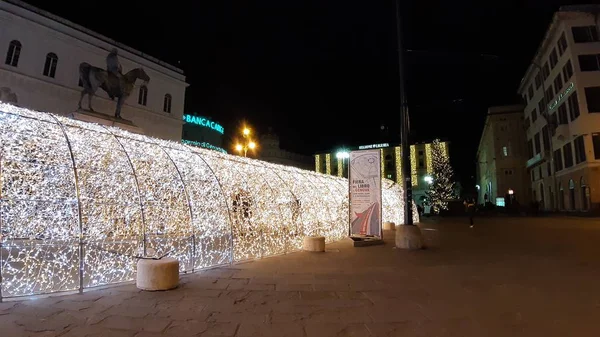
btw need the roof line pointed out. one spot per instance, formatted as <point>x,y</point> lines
<point>84,30</point>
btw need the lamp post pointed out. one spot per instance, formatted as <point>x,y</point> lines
<point>248,144</point>
<point>404,124</point>
<point>408,236</point>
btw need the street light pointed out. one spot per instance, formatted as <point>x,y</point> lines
<point>404,125</point>
<point>428,179</point>
<point>248,143</point>
<point>342,155</point>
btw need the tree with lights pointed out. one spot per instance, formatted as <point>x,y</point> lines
<point>441,187</point>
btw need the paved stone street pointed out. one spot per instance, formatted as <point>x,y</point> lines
<point>505,277</point>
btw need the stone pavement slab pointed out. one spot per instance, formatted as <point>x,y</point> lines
<point>505,277</point>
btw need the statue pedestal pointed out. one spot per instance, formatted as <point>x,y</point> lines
<point>102,119</point>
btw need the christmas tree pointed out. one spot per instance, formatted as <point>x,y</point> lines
<point>441,188</point>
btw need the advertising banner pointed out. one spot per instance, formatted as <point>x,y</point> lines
<point>365,192</point>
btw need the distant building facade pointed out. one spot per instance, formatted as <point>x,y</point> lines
<point>501,174</point>
<point>270,151</point>
<point>202,131</point>
<point>563,83</point>
<point>39,69</point>
<point>391,159</point>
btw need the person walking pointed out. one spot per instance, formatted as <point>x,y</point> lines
<point>470,210</point>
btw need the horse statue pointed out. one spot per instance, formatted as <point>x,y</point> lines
<point>119,87</point>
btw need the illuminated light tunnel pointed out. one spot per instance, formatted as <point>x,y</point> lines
<point>81,202</point>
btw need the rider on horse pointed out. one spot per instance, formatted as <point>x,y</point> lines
<point>114,69</point>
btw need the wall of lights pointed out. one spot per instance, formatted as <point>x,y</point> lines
<point>80,203</point>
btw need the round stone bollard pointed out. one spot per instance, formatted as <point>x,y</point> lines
<point>409,237</point>
<point>314,244</point>
<point>156,275</point>
<point>389,226</point>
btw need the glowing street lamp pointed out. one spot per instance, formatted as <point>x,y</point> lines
<point>428,179</point>
<point>248,143</point>
<point>342,155</point>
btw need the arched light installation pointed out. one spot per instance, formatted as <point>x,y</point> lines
<point>80,203</point>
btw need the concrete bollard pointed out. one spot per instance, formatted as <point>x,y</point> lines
<point>409,237</point>
<point>313,244</point>
<point>389,226</point>
<point>156,275</point>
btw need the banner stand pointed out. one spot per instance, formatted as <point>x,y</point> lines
<point>364,193</point>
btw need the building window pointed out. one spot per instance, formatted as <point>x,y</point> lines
<point>541,105</point>
<point>592,97</point>
<point>538,81</point>
<point>579,150</point>
<point>545,71</point>
<point>508,172</point>
<point>530,91</point>
<point>596,142</point>
<point>80,82</point>
<point>534,112</point>
<point>558,163</point>
<point>568,154</point>
<point>532,175</point>
<point>558,83</point>
<point>167,103</point>
<point>567,71</point>
<point>538,145</point>
<point>589,62</point>
<point>585,34</point>
<point>553,58</point>
<point>548,170</point>
<point>50,65</point>
<point>530,148</point>
<point>549,94</point>
<point>546,138</point>
<point>143,95</point>
<point>562,115</point>
<point>505,151</point>
<point>14,51</point>
<point>573,106</point>
<point>562,44</point>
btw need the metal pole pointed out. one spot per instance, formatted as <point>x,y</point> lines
<point>404,125</point>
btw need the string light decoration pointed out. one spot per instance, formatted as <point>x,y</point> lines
<point>318,163</point>
<point>398,153</point>
<point>442,187</point>
<point>428,158</point>
<point>340,167</point>
<point>81,202</point>
<point>382,163</point>
<point>328,163</point>
<point>413,164</point>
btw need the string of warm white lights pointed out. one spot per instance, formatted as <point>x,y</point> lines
<point>79,195</point>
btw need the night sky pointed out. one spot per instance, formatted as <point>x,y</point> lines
<point>324,74</point>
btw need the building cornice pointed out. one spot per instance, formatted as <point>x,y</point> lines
<point>81,29</point>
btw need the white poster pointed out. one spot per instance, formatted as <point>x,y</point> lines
<point>365,192</point>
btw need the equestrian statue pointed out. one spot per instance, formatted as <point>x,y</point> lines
<point>112,80</point>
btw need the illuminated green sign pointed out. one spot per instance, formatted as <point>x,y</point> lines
<point>561,97</point>
<point>203,144</point>
<point>203,122</point>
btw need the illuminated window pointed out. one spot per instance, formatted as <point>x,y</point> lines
<point>500,202</point>
<point>505,151</point>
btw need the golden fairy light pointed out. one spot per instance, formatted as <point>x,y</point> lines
<point>80,203</point>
